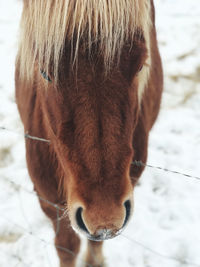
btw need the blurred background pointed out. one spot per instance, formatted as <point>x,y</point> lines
<point>164,230</point>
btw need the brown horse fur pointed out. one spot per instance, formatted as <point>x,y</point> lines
<point>97,124</point>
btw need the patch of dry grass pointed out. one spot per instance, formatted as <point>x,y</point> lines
<point>9,237</point>
<point>5,157</point>
<point>195,76</point>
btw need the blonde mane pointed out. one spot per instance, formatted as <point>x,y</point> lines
<point>46,24</point>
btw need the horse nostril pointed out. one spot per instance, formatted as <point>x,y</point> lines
<point>127,205</point>
<point>79,220</point>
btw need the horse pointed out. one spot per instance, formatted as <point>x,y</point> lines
<point>88,79</point>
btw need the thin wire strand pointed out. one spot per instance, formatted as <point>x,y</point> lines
<point>16,257</point>
<point>26,135</point>
<point>17,187</point>
<point>58,209</point>
<point>136,163</point>
<point>141,164</point>
<point>44,241</point>
<point>23,211</point>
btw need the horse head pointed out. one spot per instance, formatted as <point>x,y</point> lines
<point>91,119</point>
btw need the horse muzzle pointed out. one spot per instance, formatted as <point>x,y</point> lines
<point>104,234</point>
<point>108,229</point>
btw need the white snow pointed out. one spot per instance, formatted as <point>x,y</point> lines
<point>166,220</point>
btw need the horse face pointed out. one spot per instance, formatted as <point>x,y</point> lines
<point>95,148</point>
<point>93,120</point>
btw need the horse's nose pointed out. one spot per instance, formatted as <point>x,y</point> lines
<point>108,231</point>
<point>127,205</point>
<point>80,222</point>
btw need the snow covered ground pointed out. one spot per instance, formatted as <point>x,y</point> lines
<point>165,228</point>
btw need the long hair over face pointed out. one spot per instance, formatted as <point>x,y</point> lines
<point>47,24</point>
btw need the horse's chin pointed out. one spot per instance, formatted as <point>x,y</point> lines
<point>104,236</point>
<point>100,236</point>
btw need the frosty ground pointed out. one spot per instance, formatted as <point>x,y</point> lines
<point>164,230</point>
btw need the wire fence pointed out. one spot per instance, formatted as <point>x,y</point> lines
<point>136,163</point>
<point>34,235</point>
<point>62,210</point>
